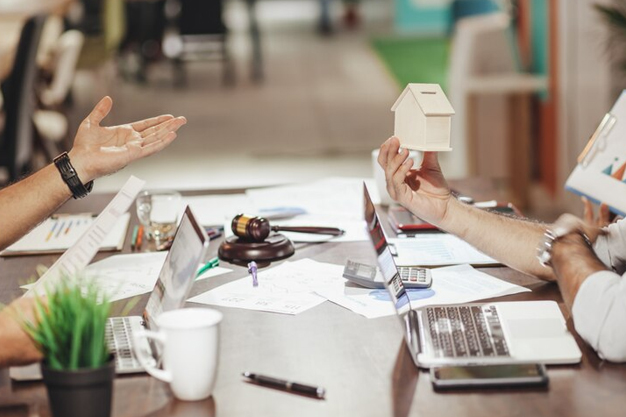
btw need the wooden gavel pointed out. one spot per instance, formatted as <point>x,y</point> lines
<point>256,229</point>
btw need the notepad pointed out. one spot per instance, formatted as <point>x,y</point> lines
<point>601,171</point>
<point>59,232</point>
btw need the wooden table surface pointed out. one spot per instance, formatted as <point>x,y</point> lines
<point>363,364</point>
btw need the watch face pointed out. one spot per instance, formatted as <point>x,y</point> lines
<point>544,251</point>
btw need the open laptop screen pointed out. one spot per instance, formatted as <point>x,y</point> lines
<point>179,269</point>
<point>393,282</point>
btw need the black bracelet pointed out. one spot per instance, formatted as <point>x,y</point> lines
<point>70,177</point>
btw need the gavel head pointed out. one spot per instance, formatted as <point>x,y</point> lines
<point>253,229</point>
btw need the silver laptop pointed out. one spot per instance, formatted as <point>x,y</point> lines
<point>477,333</point>
<point>171,290</point>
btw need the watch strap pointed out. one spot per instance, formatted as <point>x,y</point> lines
<point>70,177</point>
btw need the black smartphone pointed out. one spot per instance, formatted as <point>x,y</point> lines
<point>480,376</point>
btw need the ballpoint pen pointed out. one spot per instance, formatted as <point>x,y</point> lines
<point>139,238</point>
<point>317,392</point>
<point>133,239</point>
<point>252,269</point>
<point>209,265</point>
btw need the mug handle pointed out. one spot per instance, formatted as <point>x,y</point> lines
<point>143,359</point>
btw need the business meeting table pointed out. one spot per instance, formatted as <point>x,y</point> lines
<point>363,364</point>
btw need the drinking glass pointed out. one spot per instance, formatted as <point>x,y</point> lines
<point>158,212</point>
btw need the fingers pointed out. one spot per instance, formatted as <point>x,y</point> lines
<point>604,216</point>
<point>587,210</point>
<point>158,145</point>
<point>160,131</point>
<point>101,111</point>
<point>142,125</point>
<point>396,171</point>
<point>392,149</point>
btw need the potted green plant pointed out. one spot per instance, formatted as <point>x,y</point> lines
<point>77,368</point>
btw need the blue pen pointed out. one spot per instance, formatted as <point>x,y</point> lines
<point>252,269</point>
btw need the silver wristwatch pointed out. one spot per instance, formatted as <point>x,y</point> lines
<point>544,250</point>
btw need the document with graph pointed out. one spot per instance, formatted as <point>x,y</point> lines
<point>601,171</point>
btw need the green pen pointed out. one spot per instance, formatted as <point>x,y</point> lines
<point>211,264</point>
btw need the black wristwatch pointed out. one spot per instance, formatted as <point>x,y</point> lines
<point>70,177</point>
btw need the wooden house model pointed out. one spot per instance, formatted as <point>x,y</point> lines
<point>422,118</point>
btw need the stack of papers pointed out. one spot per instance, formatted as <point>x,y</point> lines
<point>288,288</point>
<point>294,287</point>
<point>60,232</point>
<point>130,275</point>
<point>437,249</point>
<point>451,285</point>
<point>332,202</point>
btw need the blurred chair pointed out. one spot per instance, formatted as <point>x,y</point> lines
<point>484,62</point>
<point>201,35</point>
<point>51,123</point>
<point>16,142</point>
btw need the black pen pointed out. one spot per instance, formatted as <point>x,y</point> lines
<point>267,381</point>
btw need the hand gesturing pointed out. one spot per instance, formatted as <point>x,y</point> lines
<point>100,150</point>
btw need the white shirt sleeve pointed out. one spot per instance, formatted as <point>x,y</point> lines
<point>599,309</point>
<point>611,248</point>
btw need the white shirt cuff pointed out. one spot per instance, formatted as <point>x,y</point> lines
<point>599,302</point>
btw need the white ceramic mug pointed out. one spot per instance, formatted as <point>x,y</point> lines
<point>189,340</point>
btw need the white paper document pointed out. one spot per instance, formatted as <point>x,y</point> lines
<point>334,196</point>
<point>82,252</point>
<point>59,233</point>
<point>130,275</point>
<point>213,272</point>
<point>331,202</point>
<point>288,288</point>
<point>437,249</point>
<point>451,285</point>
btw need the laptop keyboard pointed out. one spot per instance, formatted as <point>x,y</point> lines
<point>118,338</point>
<point>466,331</point>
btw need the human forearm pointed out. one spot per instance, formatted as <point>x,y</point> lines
<point>573,261</point>
<point>30,201</point>
<point>509,240</point>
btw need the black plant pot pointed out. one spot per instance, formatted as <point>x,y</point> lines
<point>80,393</point>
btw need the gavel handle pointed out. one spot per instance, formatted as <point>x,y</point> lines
<point>333,231</point>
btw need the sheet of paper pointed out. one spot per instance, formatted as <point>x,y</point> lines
<point>288,288</point>
<point>451,285</point>
<point>129,275</point>
<point>77,257</point>
<point>214,210</point>
<point>601,174</point>
<point>437,249</point>
<point>213,272</point>
<point>59,233</point>
<point>330,196</point>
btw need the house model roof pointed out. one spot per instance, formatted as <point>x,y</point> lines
<point>430,98</point>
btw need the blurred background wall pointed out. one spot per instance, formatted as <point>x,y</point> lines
<point>293,90</point>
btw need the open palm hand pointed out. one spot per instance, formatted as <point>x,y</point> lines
<point>100,150</point>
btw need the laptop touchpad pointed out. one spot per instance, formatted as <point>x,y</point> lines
<point>535,328</point>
